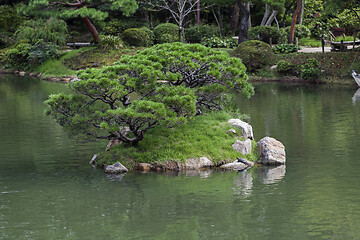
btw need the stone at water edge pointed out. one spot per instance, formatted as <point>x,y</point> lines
<point>244,126</point>
<point>92,161</point>
<point>115,168</point>
<point>243,147</point>
<point>197,163</point>
<point>272,151</point>
<point>236,165</point>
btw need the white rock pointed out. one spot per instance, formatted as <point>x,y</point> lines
<point>243,147</point>
<point>197,163</point>
<point>115,168</point>
<point>92,161</point>
<point>234,166</point>
<point>244,126</point>
<point>272,152</point>
<point>231,131</point>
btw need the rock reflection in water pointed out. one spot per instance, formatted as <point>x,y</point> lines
<point>269,175</point>
<point>115,177</point>
<point>243,184</point>
<point>202,173</point>
<point>356,96</point>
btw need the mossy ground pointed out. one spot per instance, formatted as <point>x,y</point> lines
<point>204,135</point>
<point>75,59</point>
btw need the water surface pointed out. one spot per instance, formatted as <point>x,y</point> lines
<point>49,191</point>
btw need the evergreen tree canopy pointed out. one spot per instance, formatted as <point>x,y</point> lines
<point>163,85</point>
<point>85,9</point>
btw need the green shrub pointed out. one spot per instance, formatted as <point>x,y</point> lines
<point>217,42</point>
<point>264,33</point>
<point>9,20</point>
<point>311,69</point>
<point>284,67</point>
<point>196,33</point>
<point>17,55</point>
<point>110,42</point>
<point>301,31</point>
<point>135,37</point>
<point>254,54</point>
<point>6,39</point>
<point>166,33</point>
<point>51,30</point>
<point>151,35</point>
<point>25,54</point>
<point>286,48</point>
<point>116,27</point>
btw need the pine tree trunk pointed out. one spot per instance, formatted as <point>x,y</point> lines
<point>293,23</point>
<point>92,29</point>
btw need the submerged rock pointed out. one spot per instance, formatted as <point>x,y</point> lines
<point>115,168</point>
<point>272,152</point>
<point>244,126</point>
<point>243,147</point>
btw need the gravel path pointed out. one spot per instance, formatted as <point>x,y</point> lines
<point>313,49</point>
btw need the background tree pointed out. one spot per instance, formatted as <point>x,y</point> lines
<point>272,8</point>
<point>293,23</point>
<point>86,10</point>
<point>179,10</point>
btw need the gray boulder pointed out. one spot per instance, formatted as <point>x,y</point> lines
<point>198,163</point>
<point>244,126</point>
<point>115,168</point>
<point>272,152</point>
<point>243,147</point>
<point>236,165</point>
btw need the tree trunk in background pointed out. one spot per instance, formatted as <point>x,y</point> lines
<point>302,12</point>
<point>243,21</point>
<point>198,13</point>
<point>271,18</point>
<point>234,18</point>
<point>293,23</point>
<point>248,9</point>
<point>92,29</point>
<point>221,19</point>
<point>266,15</point>
<point>218,18</point>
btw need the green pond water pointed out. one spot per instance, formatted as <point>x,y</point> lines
<point>49,191</point>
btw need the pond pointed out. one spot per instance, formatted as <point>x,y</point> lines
<point>49,191</point>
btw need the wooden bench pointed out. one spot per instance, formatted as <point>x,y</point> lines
<point>341,46</point>
<point>78,45</point>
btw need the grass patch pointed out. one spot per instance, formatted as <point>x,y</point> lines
<point>309,42</point>
<point>205,135</point>
<point>93,57</point>
<point>54,67</point>
<point>344,38</point>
